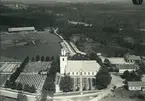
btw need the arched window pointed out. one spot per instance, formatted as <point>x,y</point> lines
<point>63,59</point>
<point>88,73</point>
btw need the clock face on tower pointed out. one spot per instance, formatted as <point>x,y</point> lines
<point>137,2</point>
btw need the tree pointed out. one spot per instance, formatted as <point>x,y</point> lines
<point>125,74</point>
<point>49,85</point>
<point>32,59</point>
<point>66,84</point>
<point>47,58</point>
<point>32,89</point>
<point>103,78</point>
<point>26,88</point>
<point>52,58</point>
<point>13,85</point>
<point>42,58</point>
<point>93,56</point>
<point>37,58</point>
<point>8,84</point>
<point>19,86</point>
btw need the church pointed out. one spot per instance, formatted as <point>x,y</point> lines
<point>87,69</point>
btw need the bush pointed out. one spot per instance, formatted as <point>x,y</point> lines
<point>103,79</point>
<point>66,84</point>
<point>8,84</point>
<point>19,86</point>
<point>32,89</point>
<point>26,88</point>
<point>13,85</point>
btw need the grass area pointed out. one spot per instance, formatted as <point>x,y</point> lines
<point>49,46</point>
<point>3,98</point>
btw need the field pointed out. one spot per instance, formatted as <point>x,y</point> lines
<point>36,67</point>
<point>31,79</point>
<point>48,45</point>
<point>9,67</point>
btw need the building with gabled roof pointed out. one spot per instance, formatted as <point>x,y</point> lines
<point>73,67</point>
<point>20,29</point>
<point>132,58</point>
<point>127,67</point>
<point>136,86</point>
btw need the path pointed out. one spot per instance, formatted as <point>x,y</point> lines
<point>66,45</point>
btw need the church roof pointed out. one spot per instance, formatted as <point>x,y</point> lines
<point>84,65</point>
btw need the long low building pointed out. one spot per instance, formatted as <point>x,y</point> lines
<point>127,67</point>
<point>136,86</point>
<point>19,29</point>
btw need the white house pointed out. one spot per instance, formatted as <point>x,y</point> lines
<point>127,67</point>
<point>136,86</point>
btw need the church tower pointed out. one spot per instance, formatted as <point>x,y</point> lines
<point>63,61</point>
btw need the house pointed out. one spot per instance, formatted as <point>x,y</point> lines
<point>136,86</point>
<point>21,29</point>
<point>132,58</point>
<point>127,67</point>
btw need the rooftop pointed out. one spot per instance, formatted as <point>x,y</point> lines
<point>86,65</point>
<point>127,66</point>
<point>20,29</point>
<point>133,57</point>
<point>136,83</point>
<point>117,60</point>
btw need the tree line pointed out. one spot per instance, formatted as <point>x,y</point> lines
<point>11,83</point>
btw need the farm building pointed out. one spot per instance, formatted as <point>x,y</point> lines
<point>136,86</point>
<point>127,67</point>
<point>21,29</point>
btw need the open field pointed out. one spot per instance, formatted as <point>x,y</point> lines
<point>49,45</point>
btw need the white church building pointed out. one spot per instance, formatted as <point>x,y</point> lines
<point>81,71</point>
<point>77,67</point>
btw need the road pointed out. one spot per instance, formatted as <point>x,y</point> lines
<point>66,45</point>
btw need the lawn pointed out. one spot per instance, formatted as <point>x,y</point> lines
<point>51,47</point>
